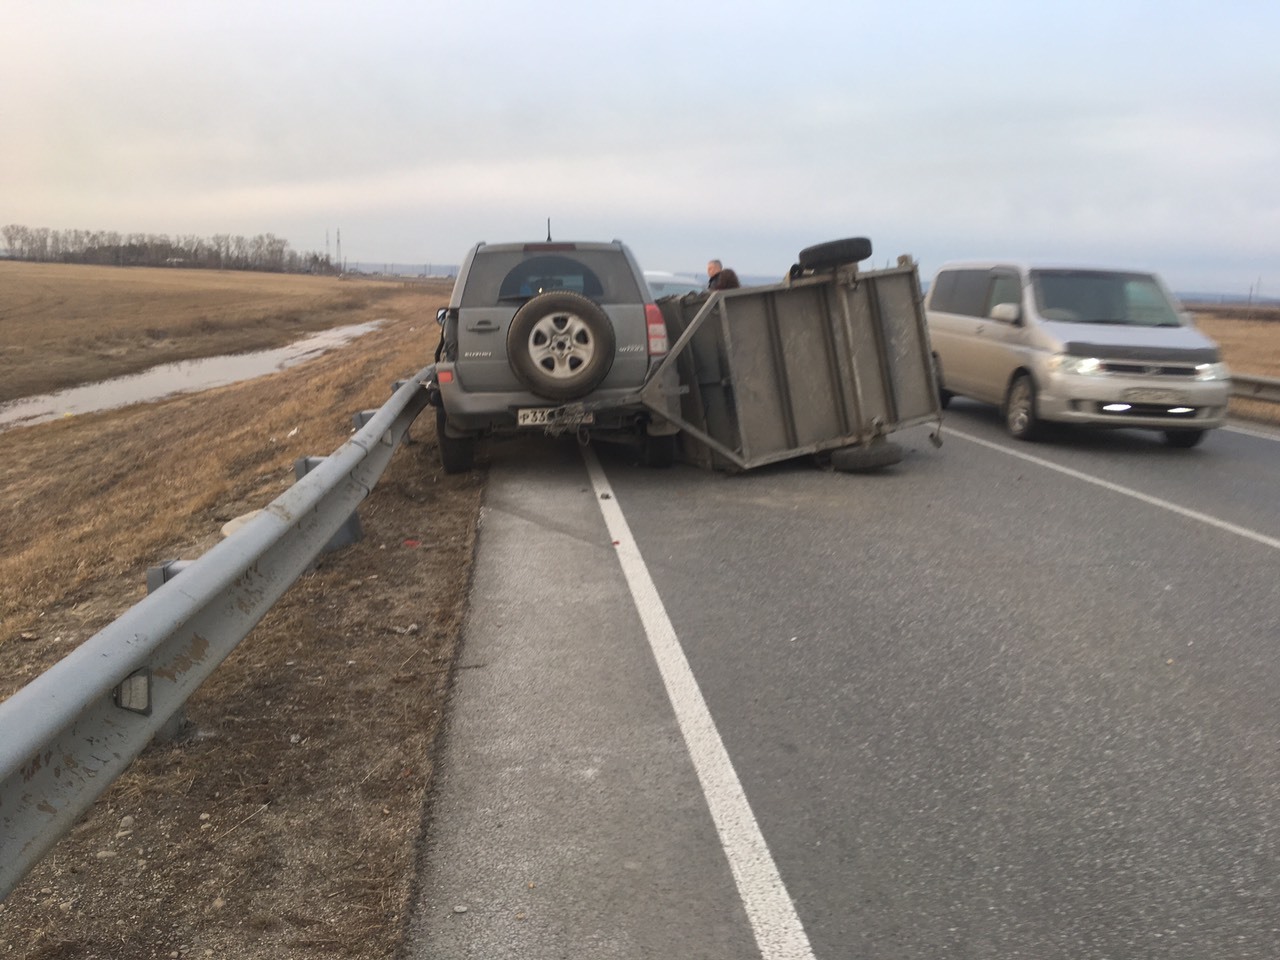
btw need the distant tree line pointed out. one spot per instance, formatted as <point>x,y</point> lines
<point>222,251</point>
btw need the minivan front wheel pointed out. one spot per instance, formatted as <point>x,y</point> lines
<point>1183,439</point>
<point>1020,409</point>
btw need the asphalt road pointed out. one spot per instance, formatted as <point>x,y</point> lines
<point>1002,700</point>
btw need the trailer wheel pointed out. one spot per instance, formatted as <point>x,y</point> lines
<point>871,456</point>
<point>834,253</point>
<point>560,345</point>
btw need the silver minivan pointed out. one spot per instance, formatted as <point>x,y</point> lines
<point>1074,345</point>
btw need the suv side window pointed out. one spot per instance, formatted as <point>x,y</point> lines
<point>962,291</point>
<point>511,276</point>
<point>1006,288</point>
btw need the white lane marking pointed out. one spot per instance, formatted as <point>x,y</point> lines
<point>1212,521</point>
<point>777,928</point>
<point>1250,432</point>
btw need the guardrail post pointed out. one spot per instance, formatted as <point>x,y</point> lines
<point>135,692</point>
<point>350,532</point>
<point>361,417</point>
<point>159,576</point>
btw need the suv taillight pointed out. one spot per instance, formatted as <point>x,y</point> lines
<point>657,330</point>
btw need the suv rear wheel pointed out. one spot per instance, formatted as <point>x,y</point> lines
<point>658,451</point>
<point>457,454</point>
<point>560,345</point>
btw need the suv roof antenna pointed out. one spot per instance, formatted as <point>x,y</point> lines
<point>548,229</point>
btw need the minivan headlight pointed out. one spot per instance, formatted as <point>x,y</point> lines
<point>1080,366</point>
<point>1212,371</point>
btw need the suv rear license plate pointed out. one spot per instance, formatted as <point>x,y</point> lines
<point>542,416</point>
<point>1140,395</point>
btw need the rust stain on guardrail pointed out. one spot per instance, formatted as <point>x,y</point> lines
<point>185,661</point>
<point>36,765</point>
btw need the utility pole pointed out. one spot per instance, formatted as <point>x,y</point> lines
<point>340,269</point>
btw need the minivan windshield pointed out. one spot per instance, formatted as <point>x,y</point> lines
<point>1103,296</point>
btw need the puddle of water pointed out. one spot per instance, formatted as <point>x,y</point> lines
<point>185,376</point>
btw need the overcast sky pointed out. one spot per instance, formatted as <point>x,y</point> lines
<point>1141,134</point>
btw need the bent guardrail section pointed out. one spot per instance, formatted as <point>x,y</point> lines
<point>1245,387</point>
<point>70,732</point>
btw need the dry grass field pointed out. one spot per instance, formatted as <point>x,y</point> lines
<point>1250,341</point>
<point>286,825</point>
<point>63,325</point>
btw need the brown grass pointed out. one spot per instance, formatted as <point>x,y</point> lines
<point>64,324</point>
<point>196,457</point>
<point>288,826</point>
<point>1250,341</point>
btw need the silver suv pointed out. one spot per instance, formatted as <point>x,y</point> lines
<point>553,337</point>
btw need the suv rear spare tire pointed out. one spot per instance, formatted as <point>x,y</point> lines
<point>834,253</point>
<point>560,345</point>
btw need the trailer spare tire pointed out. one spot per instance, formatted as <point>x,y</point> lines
<point>560,345</point>
<point>875,455</point>
<point>834,253</point>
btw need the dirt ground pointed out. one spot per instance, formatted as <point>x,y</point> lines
<point>285,823</point>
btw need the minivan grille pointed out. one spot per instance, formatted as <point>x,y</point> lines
<point>1147,369</point>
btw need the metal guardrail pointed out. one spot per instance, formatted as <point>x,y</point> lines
<point>71,731</point>
<point>1255,388</point>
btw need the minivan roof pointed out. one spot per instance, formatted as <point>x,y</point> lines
<point>1023,266</point>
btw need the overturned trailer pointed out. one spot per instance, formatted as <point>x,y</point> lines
<point>830,360</point>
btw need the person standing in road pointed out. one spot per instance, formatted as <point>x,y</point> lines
<point>719,278</point>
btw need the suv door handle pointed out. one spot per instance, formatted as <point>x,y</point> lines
<point>483,326</point>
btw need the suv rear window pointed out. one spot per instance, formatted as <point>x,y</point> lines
<point>511,276</point>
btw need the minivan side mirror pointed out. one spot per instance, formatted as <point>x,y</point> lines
<point>1007,313</point>
<point>441,314</point>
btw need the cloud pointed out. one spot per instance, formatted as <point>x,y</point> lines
<point>990,128</point>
